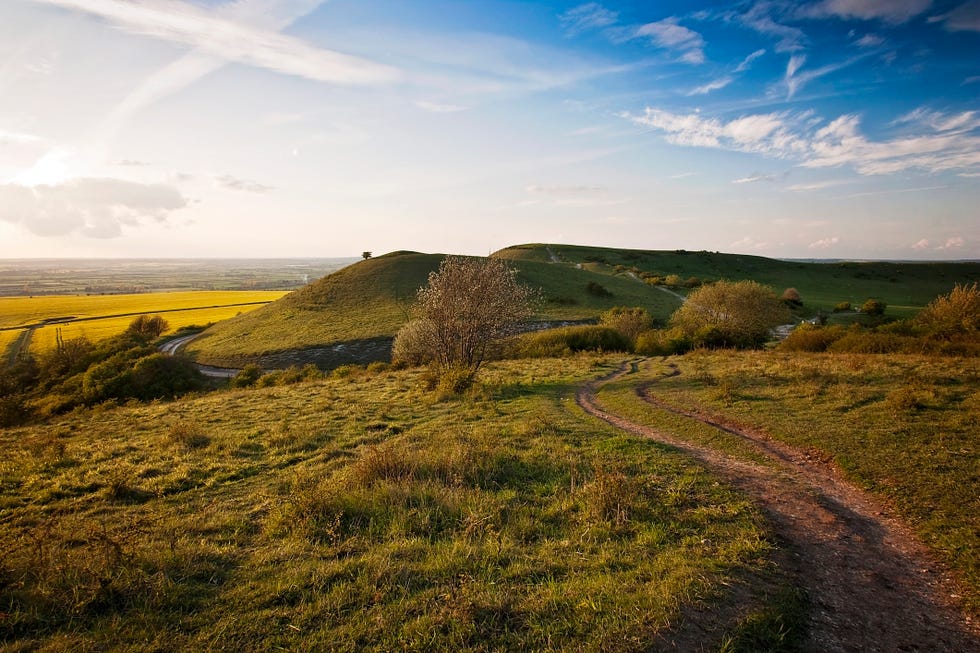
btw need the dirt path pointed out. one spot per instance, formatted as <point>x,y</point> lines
<point>871,584</point>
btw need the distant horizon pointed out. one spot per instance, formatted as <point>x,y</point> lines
<point>262,128</point>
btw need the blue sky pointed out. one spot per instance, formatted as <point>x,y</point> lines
<point>226,128</point>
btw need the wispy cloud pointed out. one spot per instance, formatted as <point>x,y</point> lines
<point>824,243</point>
<point>713,85</point>
<point>893,12</point>
<point>795,78</point>
<point>817,185</point>
<point>942,122</point>
<point>228,40</point>
<point>438,107</point>
<point>565,190</point>
<point>759,18</point>
<point>93,207</point>
<point>587,17</point>
<point>965,18</point>
<point>669,34</point>
<point>747,61</point>
<point>838,143</point>
<point>246,185</point>
<point>754,178</point>
<point>869,41</point>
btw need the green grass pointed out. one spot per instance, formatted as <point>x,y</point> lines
<point>357,513</point>
<point>903,427</point>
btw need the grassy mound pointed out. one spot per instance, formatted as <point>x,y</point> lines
<point>371,300</point>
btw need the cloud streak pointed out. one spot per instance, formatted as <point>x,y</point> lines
<point>939,143</point>
<point>226,40</point>
<point>670,35</point>
<point>587,17</point>
<point>893,12</point>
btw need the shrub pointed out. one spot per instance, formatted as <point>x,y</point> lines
<point>842,307</point>
<point>629,322</point>
<point>955,314</point>
<point>873,307</point>
<point>247,376</point>
<point>791,297</point>
<point>662,342</point>
<point>411,345</point>
<point>559,342</point>
<point>597,289</point>
<point>808,337</point>
<point>730,314</point>
<point>160,376</point>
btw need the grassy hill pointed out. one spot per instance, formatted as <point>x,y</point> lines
<point>351,315</point>
<point>905,286</point>
<point>366,303</point>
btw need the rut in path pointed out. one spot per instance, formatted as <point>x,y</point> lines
<point>872,586</point>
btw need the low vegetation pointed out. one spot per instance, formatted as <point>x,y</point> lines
<point>354,513</point>
<point>77,372</point>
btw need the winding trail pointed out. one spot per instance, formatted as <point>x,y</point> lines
<point>872,585</point>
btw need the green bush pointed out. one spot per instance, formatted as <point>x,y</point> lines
<point>808,337</point>
<point>873,307</point>
<point>597,289</point>
<point>247,376</point>
<point>662,342</point>
<point>566,340</point>
<point>842,307</point>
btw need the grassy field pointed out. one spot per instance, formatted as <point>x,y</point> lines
<point>93,312</point>
<point>33,277</point>
<point>903,427</point>
<point>357,513</point>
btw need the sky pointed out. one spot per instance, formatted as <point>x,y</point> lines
<point>277,128</point>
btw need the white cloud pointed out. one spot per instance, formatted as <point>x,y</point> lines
<point>795,79</point>
<point>759,18</point>
<point>869,41</point>
<point>564,190</point>
<point>754,178</point>
<point>227,40</point>
<point>246,185</point>
<point>436,107</point>
<point>922,244</point>
<point>670,35</point>
<point>747,61</point>
<point>587,17</point>
<point>749,243</point>
<point>838,143</point>
<point>941,122</point>
<point>19,138</point>
<point>965,18</point>
<point>817,185</point>
<point>956,242</point>
<point>893,12</point>
<point>824,243</point>
<point>713,85</point>
<point>93,207</point>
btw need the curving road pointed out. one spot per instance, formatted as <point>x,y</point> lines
<point>173,347</point>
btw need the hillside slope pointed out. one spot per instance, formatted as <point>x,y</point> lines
<point>364,305</point>
<point>905,286</point>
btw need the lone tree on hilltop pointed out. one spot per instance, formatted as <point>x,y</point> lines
<point>365,255</point>
<point>730,314</point>
<point>468,304</point>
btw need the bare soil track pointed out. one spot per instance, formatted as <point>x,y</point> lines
<point>871,584</point>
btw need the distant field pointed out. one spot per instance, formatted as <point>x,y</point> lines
<point>98,317</point>
<point>33,277</point>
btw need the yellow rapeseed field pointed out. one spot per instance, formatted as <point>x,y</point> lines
<point>177,308</point>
